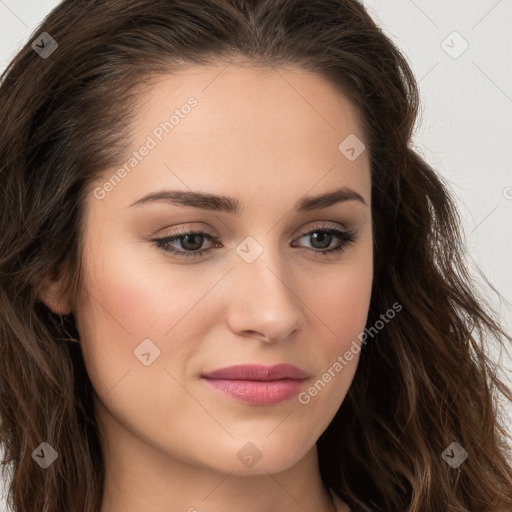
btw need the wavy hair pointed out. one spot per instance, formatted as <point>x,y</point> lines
<point>424,381</point>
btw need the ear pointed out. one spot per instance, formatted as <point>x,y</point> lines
<point>52,294</point>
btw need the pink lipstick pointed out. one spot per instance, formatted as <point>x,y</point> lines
<point>257,384</point>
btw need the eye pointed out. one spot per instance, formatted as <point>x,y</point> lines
<point>192,241</point>
<point>323,236</point>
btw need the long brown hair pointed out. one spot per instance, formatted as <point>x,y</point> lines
<point>423,382</point>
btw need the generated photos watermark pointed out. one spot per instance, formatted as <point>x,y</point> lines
<point>342,360</point>
<point>152,141</point>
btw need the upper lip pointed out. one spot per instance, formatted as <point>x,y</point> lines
<point>257,372</point>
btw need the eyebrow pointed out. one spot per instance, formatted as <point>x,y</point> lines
<point>232,205</point>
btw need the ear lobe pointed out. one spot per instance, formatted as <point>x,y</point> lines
<point>53,297</point>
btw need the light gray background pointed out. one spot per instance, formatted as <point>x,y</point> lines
<point>465,130</point>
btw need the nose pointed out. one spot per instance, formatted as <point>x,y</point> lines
<point>264,303</point>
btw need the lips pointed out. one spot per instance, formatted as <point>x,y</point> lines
<point>257,384</point>
<point>258,372</point>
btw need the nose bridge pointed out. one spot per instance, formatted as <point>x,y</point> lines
<point>265,301</point>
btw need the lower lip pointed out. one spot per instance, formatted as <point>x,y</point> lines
<point>257,392</point>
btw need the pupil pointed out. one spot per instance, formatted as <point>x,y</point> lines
<point>322,236</point>
<point>195,246</point>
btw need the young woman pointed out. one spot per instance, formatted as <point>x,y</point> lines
<point>227,280</point>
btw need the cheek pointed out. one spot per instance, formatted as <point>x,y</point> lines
<point>342,311</point>
<point>343,304</point>
<point>340,302</point>
<point>139,296</point>
<point>128,298</point>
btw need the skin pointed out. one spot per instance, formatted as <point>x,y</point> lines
<point>268,137</point>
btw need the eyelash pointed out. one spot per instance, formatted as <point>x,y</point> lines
<point>347,237</point>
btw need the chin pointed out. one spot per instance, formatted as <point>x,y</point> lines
<point>264,455</point>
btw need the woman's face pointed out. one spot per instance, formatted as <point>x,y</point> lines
<point>256,285</point>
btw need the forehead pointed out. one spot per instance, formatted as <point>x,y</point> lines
<point>235,129</point>
<point>248,98</point>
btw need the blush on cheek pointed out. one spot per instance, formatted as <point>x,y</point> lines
<point>346,316</point>
<point>126,300</point>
